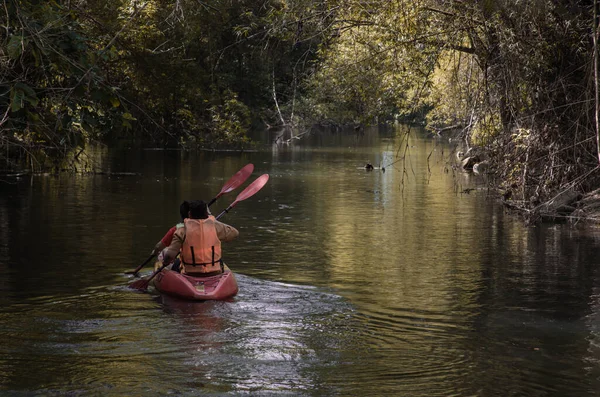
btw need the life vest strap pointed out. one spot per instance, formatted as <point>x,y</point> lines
<point>220,261</point>
<point>212,262</point>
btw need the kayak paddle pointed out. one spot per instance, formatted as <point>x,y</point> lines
<point>249,191</point>
<point>236,180</point>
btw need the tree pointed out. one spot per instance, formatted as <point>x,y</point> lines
<point>55,96</point>
<point>517,76</point>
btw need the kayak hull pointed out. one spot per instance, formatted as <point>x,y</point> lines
<point>219,287</point>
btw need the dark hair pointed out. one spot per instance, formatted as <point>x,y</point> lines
<point>198,209</point>
<point>184,209</point>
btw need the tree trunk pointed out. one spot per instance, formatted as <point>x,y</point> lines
<point>596,88</point>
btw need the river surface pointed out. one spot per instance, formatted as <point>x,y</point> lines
<point>352,283</point>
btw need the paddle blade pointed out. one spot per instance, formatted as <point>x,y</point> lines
<point>253,188</point>
<point>248,192</point>
<point>237,179</point>
<point>140,285</point>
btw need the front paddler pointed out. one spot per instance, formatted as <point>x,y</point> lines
<point>198,242</point>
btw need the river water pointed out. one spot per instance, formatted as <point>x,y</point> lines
<point>352,283</point>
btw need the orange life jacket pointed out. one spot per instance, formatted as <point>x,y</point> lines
<point>201,249</point>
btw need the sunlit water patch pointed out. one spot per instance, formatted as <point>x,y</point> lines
<point>270,338</point>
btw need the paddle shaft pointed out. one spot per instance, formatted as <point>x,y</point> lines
<point>211,202</point>
<point>236,180</point>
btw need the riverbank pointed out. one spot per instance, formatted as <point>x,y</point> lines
<point>588,208</point>
<point>568,205</point>
<point>575,202</point>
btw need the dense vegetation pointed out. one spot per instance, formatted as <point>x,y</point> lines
<point>516,78</point>
<point>184,72</point>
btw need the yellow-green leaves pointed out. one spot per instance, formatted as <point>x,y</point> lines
<point>127,118</point>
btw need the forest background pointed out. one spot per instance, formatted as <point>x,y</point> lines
<point>518,80</point>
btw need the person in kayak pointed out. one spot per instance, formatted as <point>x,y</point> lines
<point>164,242</point>
<point>198,242</point>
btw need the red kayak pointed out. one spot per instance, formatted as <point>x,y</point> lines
<point>219,287</point>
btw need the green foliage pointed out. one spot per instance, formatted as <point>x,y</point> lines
<point>455,91</point>
<point>230,121</point>
<point>75,71</point>
<point>15,46</point>
<point>57,96</point>
<point>21,93</point>
<point>485,129</point>
<point>491,67</point>
<point>199,74</point>
<point>372,70</point>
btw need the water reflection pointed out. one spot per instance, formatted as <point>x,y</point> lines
<point>351,282</point>
<point>267,339</point>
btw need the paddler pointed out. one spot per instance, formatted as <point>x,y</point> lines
<point>164,242</point>
<point>198,242</point>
